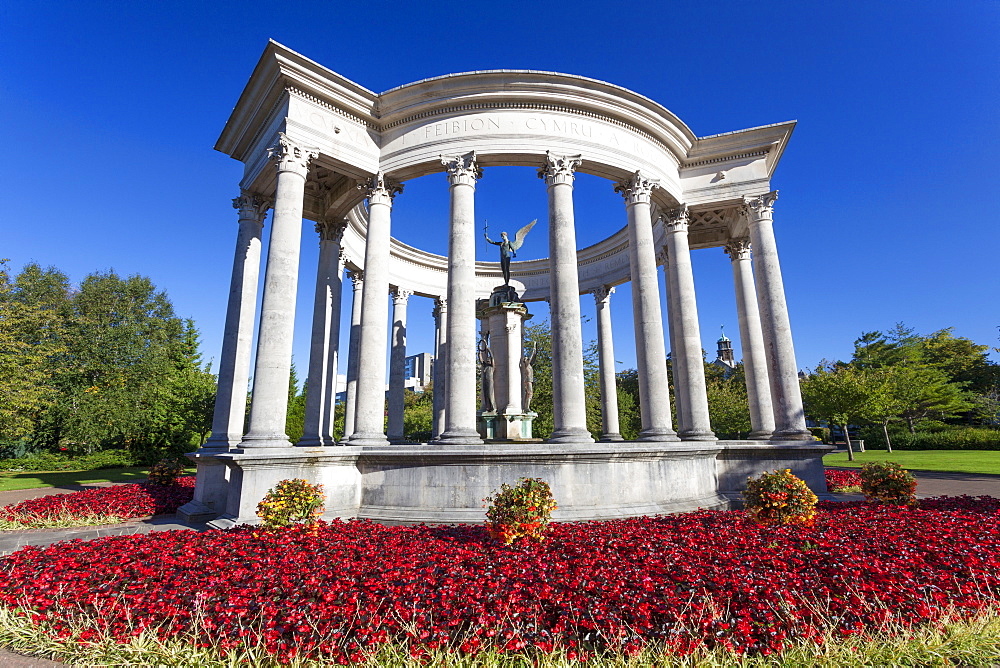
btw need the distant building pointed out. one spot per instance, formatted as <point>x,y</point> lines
<point>418,371</point>
<point>417,374</point>
<point>724,356</point>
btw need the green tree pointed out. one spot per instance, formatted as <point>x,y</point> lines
<point>836,393</point>
<point>418,414</point>
<point>295,416</point>
<point>629,417</point>
<point>728,403</point>
<point>31,335</point>
<point>540,335</point>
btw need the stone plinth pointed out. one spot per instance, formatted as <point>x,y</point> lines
<point>739,460</point>
<point>502,320</point>
<point>444,484</point>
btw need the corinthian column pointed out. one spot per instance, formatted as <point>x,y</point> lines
<point>654,394</point>
<point>397,365</point>
<point>440,365</point>
<point>321,386</point>
<point>460,414</point>
<point>676,346</point>
<point>269,405</point>
<point>786,398</point>
<point>569,414</point>
<point>751,340</point>
<point>234,364</point>
<point>369,414</point>
<point>686,326</point>
<point>606,360</point>
<point>351,391</point>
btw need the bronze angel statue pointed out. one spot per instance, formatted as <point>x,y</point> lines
<point>508,248</point>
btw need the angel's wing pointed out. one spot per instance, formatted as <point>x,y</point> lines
<point>521,234</point>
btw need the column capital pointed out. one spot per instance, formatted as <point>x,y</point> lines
<point>252,207</point>
<point>738,249</point>
<point>291,156</point>
<point>462,169</point>
<point>357,277</point>
<point>603,293</point>
<point>440,305</point>
<point>676,220</point>
<point>380,189</point>
<point>400,296</point>
<point>559,168</point>
<point>637,190</point>
<point>331,230</point>
<point>759,207</point>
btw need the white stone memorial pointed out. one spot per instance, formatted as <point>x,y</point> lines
<point>317,147</point>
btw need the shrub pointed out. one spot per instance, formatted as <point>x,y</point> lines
<point>522,511</point>
<point>61,461</point>
<point>166,471</point>
<point>291,501</point>
<point>887,482</point>
<point>933,437</point>
<point>844,482</point>
<point>780,497</point>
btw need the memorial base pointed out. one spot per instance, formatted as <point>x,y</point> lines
<point>445,484</point>
<point>502,427</point>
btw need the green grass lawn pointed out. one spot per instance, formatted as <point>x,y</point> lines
<point>962,461</point>
<point>13,480</point>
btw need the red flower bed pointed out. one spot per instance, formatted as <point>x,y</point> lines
<point>838,480</point>
<point>708,578</point>
<point>137,500</point>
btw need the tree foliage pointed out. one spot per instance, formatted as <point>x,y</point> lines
<point>105,364</point>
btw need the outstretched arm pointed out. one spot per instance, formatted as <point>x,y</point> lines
<point>495,243</point>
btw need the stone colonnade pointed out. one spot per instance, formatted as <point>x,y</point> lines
<point>776,407</point>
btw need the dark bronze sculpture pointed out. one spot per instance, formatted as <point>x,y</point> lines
<point>486,362</point>
<point>508,248</point>
<point>527,378</point>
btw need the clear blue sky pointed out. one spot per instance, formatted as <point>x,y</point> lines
<point>889,199</point>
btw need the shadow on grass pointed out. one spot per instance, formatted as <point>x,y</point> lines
<point>67,480</point>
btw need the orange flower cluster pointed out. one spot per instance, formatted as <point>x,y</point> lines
<point>522,511</point>
<point>780,497</point>
<point>887,482</point>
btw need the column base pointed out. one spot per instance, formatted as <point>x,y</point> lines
<point>570,435</point>
<point>222,443</point>
<point>759,436</point>
<point>692,435</point>
<point>460,437</point>
<point>265,441</point>
<point>368,439</point>
<point>658,435</point>
<point>315,442</point>
<point>792,435</point>
<point>611,438</point>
